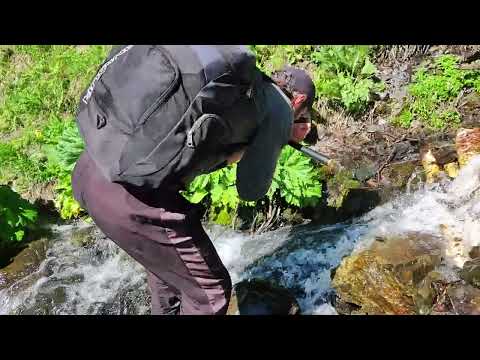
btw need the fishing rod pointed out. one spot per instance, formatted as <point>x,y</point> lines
<point>310,152</point>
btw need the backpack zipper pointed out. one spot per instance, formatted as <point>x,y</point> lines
<point>195,127</point>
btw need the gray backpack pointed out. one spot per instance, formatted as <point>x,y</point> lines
<point>154,113</point>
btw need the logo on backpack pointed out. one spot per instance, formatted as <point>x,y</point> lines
<point>102,70</point>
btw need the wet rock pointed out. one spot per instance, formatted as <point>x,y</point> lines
<point>438,160</point>
<point>24,263</point>
<point>474,252</point>
<point>465,299</point>
<point>468,144</point>
<point>365,172</point>
<point>260,297</point>
<point>444,153</point>
<point>432,169</point>
<point>356,203</point>
<point>380,294</point>
<point>397,174</point>
<point>471,272</point>
<point>392,277</point>
<point>452,169</point>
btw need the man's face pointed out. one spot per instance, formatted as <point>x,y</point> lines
<point>302,120</point>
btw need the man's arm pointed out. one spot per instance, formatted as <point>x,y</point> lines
<point>299,133</point>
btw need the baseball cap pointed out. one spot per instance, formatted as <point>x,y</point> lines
<point>256,168</point>
<point>302,82</point>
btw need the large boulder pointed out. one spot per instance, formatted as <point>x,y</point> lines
<point>393,276</point>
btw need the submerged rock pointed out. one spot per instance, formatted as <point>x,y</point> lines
<point>260,297</point>
<point>84,237</point>
<point>392,277</point>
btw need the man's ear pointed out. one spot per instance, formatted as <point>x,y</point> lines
<point>298,100</point>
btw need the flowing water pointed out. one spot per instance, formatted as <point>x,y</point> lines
<point>102,279</point>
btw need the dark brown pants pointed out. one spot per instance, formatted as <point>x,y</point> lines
<point>163,232</point>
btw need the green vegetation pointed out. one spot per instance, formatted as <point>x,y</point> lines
<point>296,181</point>
<point>218,191</point>
<point>433,93</point>
<point>343,75</point>
<point>16,216</point>
<point>40,87</point>
<point>61,161</point>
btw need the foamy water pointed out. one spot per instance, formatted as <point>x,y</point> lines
<point>104,280</point>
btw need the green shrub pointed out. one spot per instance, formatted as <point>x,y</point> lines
<point>274,57</point>
<point>62,158</point>
<point>342,74</point>
<point>295,180</point>
<point>345,75</point>
<point>16,216</point>
<point>433,93</point>
<point>218,191</point>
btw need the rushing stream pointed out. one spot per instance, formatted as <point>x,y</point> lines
<point>102,279</point>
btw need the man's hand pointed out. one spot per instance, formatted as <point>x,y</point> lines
<point>300,131</point>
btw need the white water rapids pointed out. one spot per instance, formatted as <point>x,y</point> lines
<point>102,279</point>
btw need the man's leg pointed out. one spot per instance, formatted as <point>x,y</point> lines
<point>165,300</point>
<point>165,236</point>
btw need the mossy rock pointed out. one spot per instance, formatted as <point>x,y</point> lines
<point>24,263</point>
<point>397,174</point>
<point>392,277</point>
<point>356,203</point>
